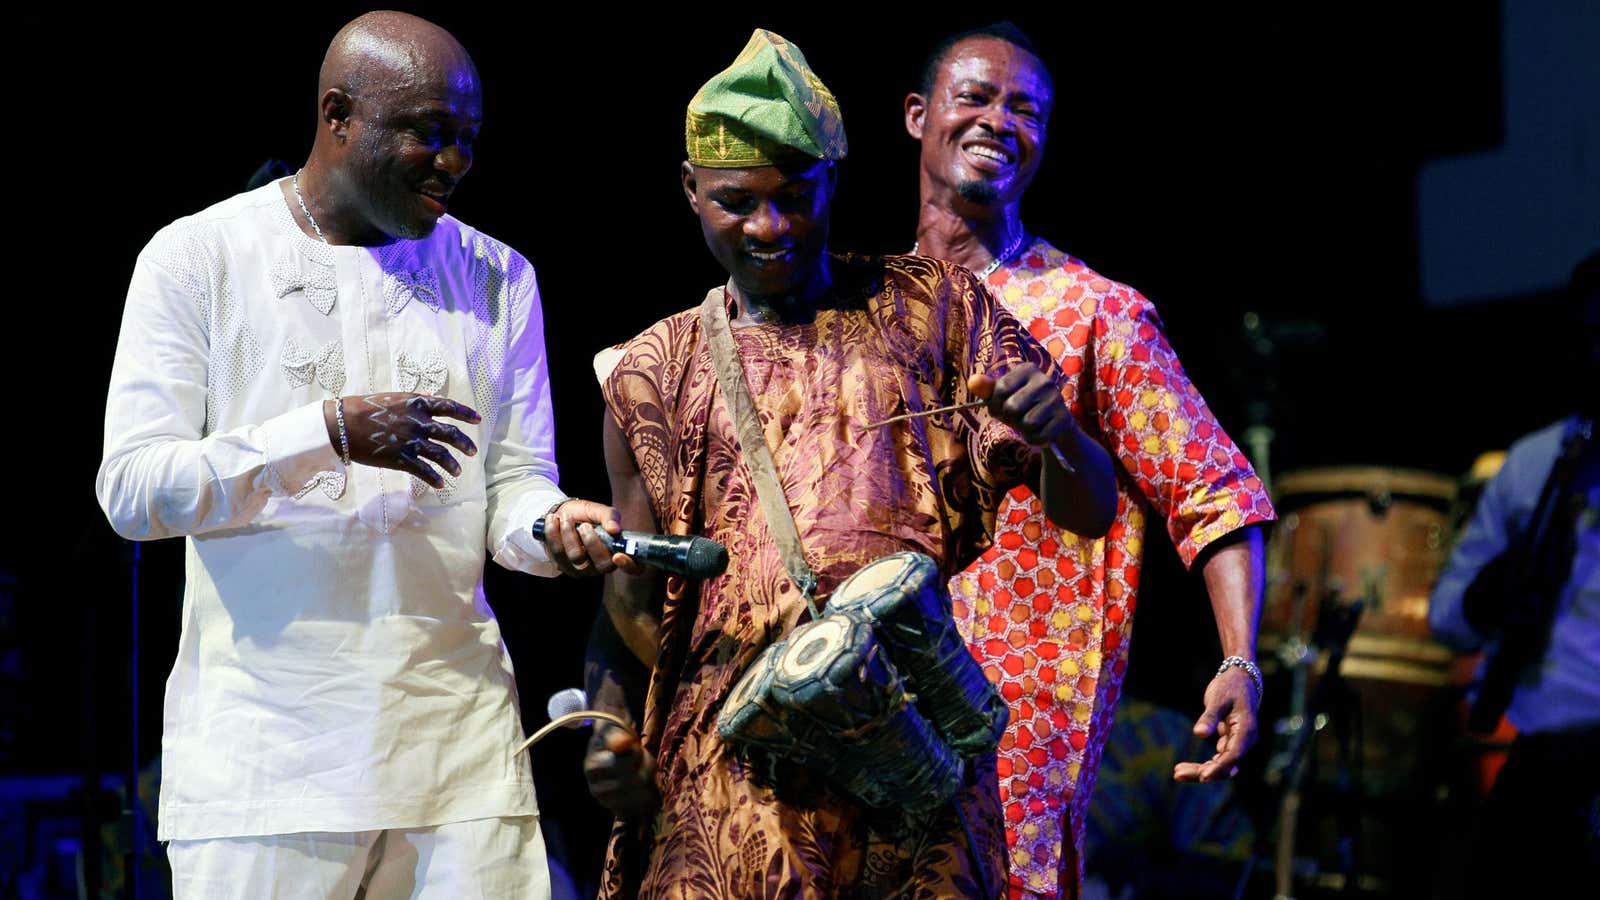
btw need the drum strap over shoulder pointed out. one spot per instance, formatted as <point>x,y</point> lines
<point>753,447</point>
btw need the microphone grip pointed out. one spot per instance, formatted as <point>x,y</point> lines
<point>538,529</point>
<point>612,542</point>
<point>697,558</point>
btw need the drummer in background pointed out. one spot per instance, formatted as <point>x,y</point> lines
<point>828,344</point>
<point>1539,828</point>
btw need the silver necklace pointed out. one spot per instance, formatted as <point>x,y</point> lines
<point>989,269</point>
<point>314,227</point>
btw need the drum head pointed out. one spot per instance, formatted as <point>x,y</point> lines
<point>873,577</point>
<point>744,714</point>
<point>750,686</point>
<point>811,648</point>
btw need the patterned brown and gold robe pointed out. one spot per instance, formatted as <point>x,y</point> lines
<point>914,332</point>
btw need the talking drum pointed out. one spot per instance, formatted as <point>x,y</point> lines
<point>904,596</point>
<point>828,697</point>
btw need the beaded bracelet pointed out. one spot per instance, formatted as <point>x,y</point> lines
<point>344,437</point>
<point>1249,668</point>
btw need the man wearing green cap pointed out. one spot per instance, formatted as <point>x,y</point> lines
<point>828,346</point>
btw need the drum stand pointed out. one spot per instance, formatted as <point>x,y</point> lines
<point>1332,701</point>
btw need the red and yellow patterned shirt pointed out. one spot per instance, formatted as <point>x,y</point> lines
<point>1049,613</point>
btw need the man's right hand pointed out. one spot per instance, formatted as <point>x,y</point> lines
<point>401,431</point>
<point>621,773</point>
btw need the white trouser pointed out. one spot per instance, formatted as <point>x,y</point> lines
<point>484,858</point>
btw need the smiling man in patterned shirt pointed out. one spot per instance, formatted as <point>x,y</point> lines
<point>1047,611</point>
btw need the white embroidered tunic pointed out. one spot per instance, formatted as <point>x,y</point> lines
<point>339,668</point>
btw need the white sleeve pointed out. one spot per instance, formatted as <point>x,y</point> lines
<point>160,476</point>
<point>520,467</point>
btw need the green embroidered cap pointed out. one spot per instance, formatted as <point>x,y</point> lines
<point>765,107</point>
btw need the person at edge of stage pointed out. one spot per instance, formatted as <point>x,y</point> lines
<point>338,394</point>
<point>1537,832</point>
<point>829,344</point>
<point>1048,609</point>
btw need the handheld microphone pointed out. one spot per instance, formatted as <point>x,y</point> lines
<point>565,702</point>
<point>687,555</point>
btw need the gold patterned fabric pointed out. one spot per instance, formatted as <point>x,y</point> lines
<point>765,107</point>
<point>736,827</point>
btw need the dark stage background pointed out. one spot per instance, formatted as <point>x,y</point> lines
<point>1224,163</point>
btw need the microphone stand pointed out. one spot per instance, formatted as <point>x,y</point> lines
<point>1336,624</point>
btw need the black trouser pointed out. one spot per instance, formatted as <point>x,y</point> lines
<point>1539,828</point>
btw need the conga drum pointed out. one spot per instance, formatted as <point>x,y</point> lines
<point>1376,535</point>
<point>1379,536</point>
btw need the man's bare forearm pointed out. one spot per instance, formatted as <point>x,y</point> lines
<point>1235,575</point>
<point>1083,501</point>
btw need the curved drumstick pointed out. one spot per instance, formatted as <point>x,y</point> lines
<point>970,404</point>
<point>569,719</point>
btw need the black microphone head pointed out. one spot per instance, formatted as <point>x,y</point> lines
<point>705,559</point>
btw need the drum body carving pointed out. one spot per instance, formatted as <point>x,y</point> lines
<point>904,595</point>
